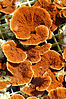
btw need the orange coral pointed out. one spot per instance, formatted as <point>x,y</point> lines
<point>31,91</point>
<point>8,6</point>
<point>34,52</point>
<point>53,11</point>
<point>64,53</point>
<point>17,96</point>
<point>22,72</point>
<point>13,52</point>
<point>26,19</point>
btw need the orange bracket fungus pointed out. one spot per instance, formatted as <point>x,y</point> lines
<point>41,83</point>
<point>22,72</point>
<point>13,52</point>
<point>32,98</point>
<point>59,93</point>
<point>8,6</point>
<point>50,59</point>
<point>31,91</point>
<point>17,96</point>
<point>34,52</point>
<point>54,59</point>
<point>60,3</point>
<point>61,6</point>
<point>25,21</point>
<point>64,53</point>
<point>52,10</point>
<point>4,85</point>
<point>40,36</point>
<point>54,83</point>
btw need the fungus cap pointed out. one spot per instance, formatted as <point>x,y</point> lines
<point>4,85</point>
<point>42,33</point>
<point>22,72</point>
<point>60,3</point>
<point>13,52</point>
<point>34,52</point>
<point>32,98</point>
<point>31,91</point>
<point>59,93</point>
<point>54,59</point>
<point>64,53</point>
<point>17,96</point>
<point>8,6</point>
<point>53,11</point>
<point>41,83</point>
<point>54,83</point>
<point>26,19</point>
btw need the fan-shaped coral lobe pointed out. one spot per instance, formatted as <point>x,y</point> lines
<point>22,72</point>
<point>26,19</point>
<point>13,52</point>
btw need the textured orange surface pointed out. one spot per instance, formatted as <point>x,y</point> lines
<point>40,36</point>
<point>22,72</point>
<point>60,78</point>
<point>53,11</point>
<point>8,6</point>
<point>54,59</point>
<point>32,98</point>
<point>54,83</point>
<point>31,91</point>
<point>64,53</point>
<point>26,19</point>
<point>60,4</point>
<point>16,96</point>
<point>41,83</point>
<point>3,84</point>
<point>34,52</point>
<point>13,52</point>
